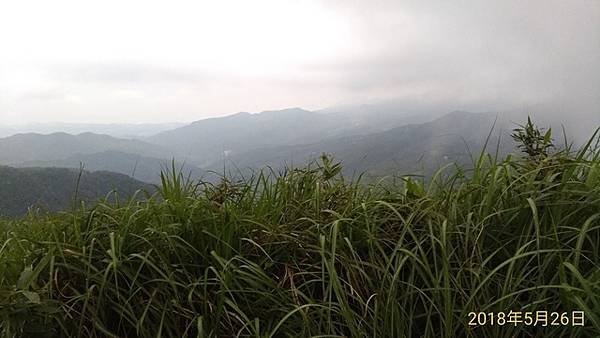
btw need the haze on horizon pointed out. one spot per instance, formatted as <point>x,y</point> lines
<point>163,61</point>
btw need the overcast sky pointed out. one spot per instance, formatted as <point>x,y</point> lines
<point>157,61</point>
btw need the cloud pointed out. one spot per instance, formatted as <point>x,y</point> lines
<point>125,73</point>
<point>204,61</point>
<point>510,51</point>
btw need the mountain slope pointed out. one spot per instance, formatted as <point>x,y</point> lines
<point>37,147</point>
<point>143,168</point>
<point>410,149</point>
<point>54,188</point>
<point>207,141</point>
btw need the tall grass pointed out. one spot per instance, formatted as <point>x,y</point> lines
<point>307,253</point>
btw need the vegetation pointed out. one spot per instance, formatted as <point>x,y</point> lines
<point>53,189</point>
<point>305,253</point>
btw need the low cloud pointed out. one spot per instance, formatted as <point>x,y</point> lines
<point>125,73</point>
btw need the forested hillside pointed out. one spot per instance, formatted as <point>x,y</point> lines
<point>54,189</point>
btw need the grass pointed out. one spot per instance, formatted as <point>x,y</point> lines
<point>307,253</point>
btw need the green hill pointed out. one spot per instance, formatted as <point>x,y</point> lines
<point>53,189</point>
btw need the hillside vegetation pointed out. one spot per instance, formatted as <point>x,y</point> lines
<point>306,252</point>
<point>56,189</point>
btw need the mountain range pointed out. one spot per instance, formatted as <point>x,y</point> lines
<point>202,146</point>
<point>405,150</point>
<point>38,147</point>
<point>122,130</point>
<point>364,138</point>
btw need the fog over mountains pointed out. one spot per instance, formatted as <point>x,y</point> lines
<point>381,142</point>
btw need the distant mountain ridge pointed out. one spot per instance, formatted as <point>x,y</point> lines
<point>210,140</point>
<point>120,130</point>
<point>364,138</point>
<point>409,149</point>
<point>37,147</point>
<point>206,141</point>
<point>143,168</point>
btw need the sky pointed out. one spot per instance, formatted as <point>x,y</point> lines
<point>164,61</point>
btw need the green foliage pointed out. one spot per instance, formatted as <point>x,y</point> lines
<point>308,253</point>
<point>533,141</point>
